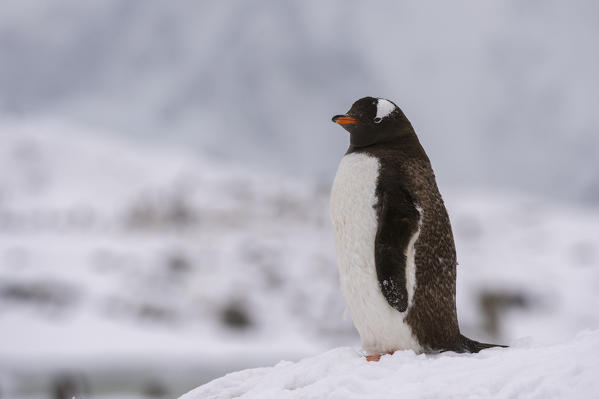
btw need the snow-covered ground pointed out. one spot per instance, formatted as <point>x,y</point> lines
<point>567,370</point>
<point>124,259</point>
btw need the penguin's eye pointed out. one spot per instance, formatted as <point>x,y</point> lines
<point>377,120</point>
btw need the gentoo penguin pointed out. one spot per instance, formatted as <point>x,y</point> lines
<point>395,248</point>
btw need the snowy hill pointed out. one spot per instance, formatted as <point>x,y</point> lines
<point>115,256</point>
<point>567,370</point>
<point>123,261</point>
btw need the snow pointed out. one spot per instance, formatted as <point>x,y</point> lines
<point>120,252</point>
<point>118,255</point>
<point>565,370</point>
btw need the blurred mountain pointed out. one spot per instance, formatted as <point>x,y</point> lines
<point>501,92</point>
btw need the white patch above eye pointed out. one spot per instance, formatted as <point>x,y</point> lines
<point>384,108</point>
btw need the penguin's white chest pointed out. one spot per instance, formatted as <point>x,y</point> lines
<point>381,327</point>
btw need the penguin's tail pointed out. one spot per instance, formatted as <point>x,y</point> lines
<point>472,346</point>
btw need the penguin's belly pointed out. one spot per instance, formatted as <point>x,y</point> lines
<point>381,328</point>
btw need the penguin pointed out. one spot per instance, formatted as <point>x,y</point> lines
<point>395,248</point>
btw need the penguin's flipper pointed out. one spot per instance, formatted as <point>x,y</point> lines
<point>397,222</point>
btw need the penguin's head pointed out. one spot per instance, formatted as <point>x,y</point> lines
<point>372,120</point>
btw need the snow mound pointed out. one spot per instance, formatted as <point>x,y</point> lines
<point>567,370</point>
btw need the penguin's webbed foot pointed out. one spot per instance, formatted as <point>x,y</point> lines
<point>376,358</point>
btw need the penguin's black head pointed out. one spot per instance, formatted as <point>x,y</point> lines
<point>373,120</point>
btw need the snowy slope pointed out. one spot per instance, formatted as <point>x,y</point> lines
<point>566,370</point>
<point>116,254</point>
<point>105,228</point>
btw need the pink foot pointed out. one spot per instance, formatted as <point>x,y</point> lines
<point>377,357</point>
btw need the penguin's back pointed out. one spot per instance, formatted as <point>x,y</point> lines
<point>353,199</point>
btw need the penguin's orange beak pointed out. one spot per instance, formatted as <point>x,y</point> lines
<point>345,119</point>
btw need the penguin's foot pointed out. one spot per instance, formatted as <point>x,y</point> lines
<point>376,358</point>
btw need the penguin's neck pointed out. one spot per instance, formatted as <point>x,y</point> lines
<point>407,143</point>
